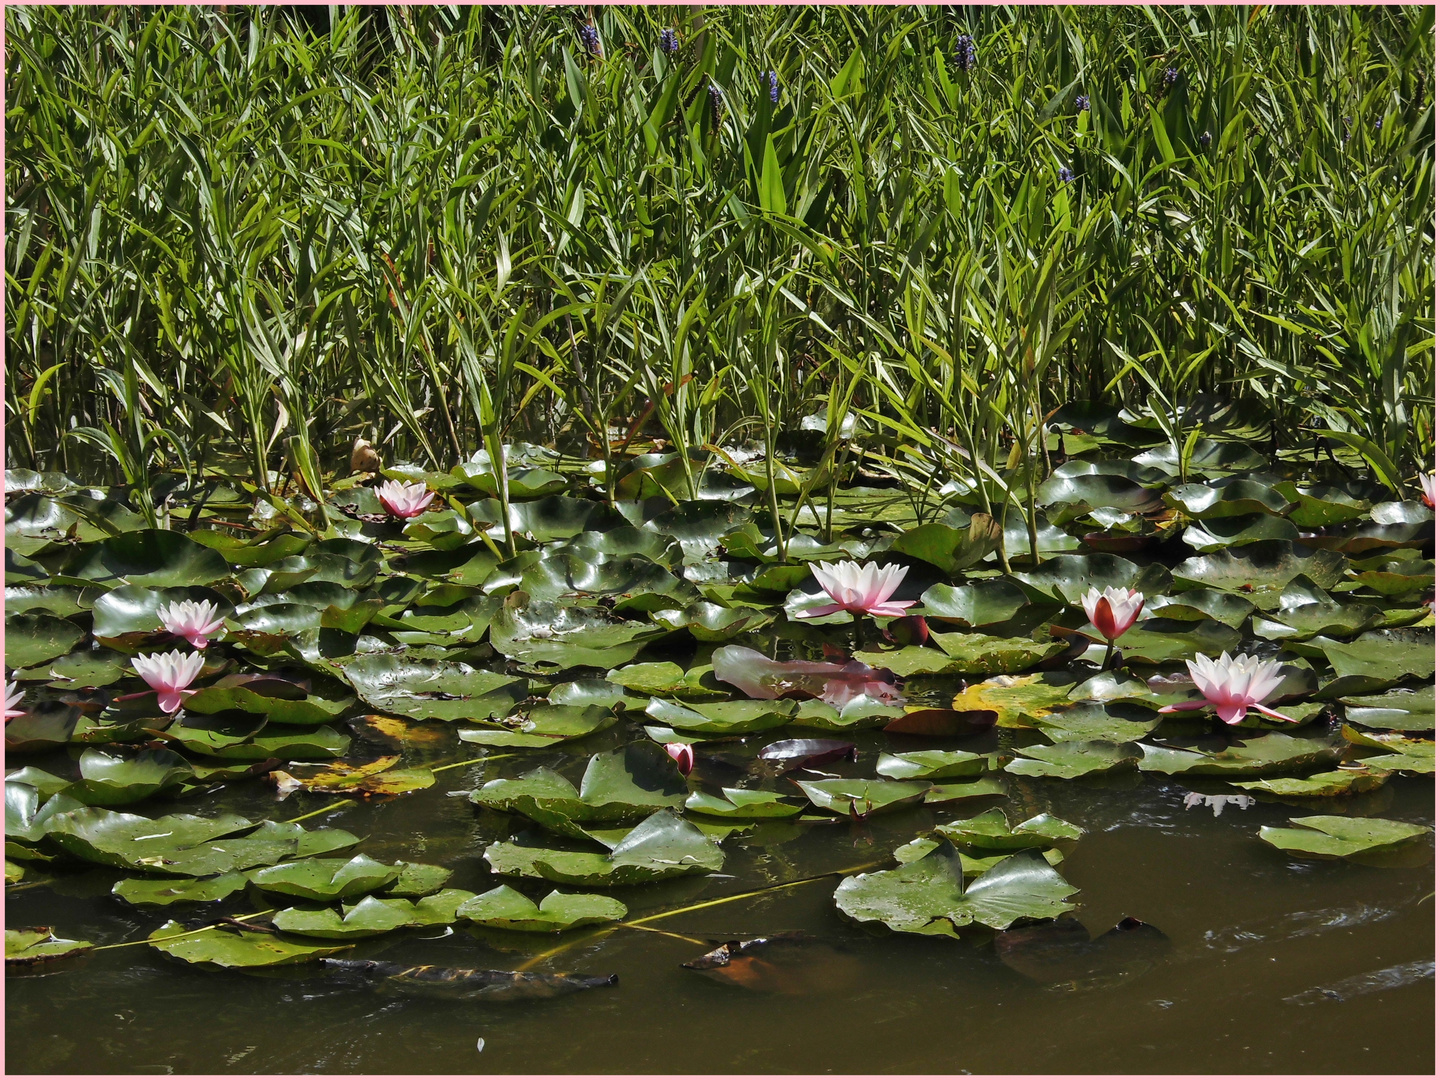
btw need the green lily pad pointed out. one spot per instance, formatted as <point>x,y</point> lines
<point>927,896</point>
<point>1197,604</point>
<point>110,780</point>
<point>1069,577</point>
<point>1070,495</point>
<point>1227,498</point>
<point>139,843</point>
<point>34,639</point>
<point>1397,710</point>
<point>1266,566</point>
<point>1093,720</point>
<point>37,945</point>
<point>1378,659</point>
<point>705,621</point>
<point>1394,577</point>
<point>567,636</point>
<point>162,892</point>
<point>1324,785</point>
<point>226,949</point>
<point>371,916</point>
<point>1319,505</point>
<point>965,654</point>
<point>739,803</point>
<point>1402,751</point>
<point>722,717</point>
<point>1329,837</point>
<point>1302,621</point>
<point>857,713</point>
<point>948,548</point>
<point>157,558</point>
<point>992,831</point>
<point>326,880</point>
<point>617,786</point>
<point>85,667</point>
<point>935,764</point>
<point>980,603</point>
<point>1272,752</point>
<point>970,789</point>
<point>428,689</point>
<point>1157,641</point>
<point>585,693</point>
<point>543,725</point>
<point>506,909</point>
<point>59,600</point>
<point>1220,534</point>
<point>860,798</point>
<point>418,879</point>
<point>1070,760</point>
<point>239,742</point>
<point>668,679</point>
<point>662,846</point>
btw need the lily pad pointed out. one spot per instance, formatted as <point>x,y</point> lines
<point>1016,700</point>
<point>34,639</point>
<point>861,798</point>
<point>662,846</point>
<point>1378,659</point>
<point>1265,566</point>
<point>38,945</point>
<point>935,764</point>
<point>371,916</point>
<point>965,654</point>
<point>1272,752</point>
<point>153,557</point>
<point>111,780</point>
<point>437,690</point>
<point>1401,751</point>
<point>162,892</point>
<point>927,896</point>
<point>1070,760</point>
<point>991,831</point>
<point>543,725</point>
<point>722,717</point>
<point>226,949</point>
<point>1398,710</point>
<point>1324,785</point>
<point>705,621</point>
<point>1069,577</point>
<point>1220,534</point>
<point>980,603</point>
<point>326,880</point>
<point>741,804</point>
<point>1093,720</point>
<point>1328,836</point>
<point>567,636</point>
<point>506,909</point>
<point>1227,498</point>
<point>240,742</point>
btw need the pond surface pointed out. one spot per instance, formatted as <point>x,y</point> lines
<point>1255,939</point>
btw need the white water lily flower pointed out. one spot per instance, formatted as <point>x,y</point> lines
<point>404,500</point>
<point>1427,489</point>
<point>1114,611</point>
<point>860,590</point>
<point>13,696</point>
<point>1233,686</point>
<point>191,620</point>
<point>168,674</point>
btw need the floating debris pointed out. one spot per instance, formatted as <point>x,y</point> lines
<point>466,984</point>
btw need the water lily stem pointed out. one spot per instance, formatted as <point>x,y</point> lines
<point>639,924</point>
<point>323,810</point>
<point>1109,652</point>
<point>470,761</point>
<point>187,933</point>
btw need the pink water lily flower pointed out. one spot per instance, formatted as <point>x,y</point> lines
<point>404,500</point>
<point>683,756</point>
<point>13,696</point>
<point>1427,490</point>
<point>193,621</point>
<point>1114,611</point>
<point>860,590</point>
<point>168,674</point>
<point>1233,686</point>
<point>840,691</point>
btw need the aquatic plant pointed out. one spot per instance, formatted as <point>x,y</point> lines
<point>1233,685</point>
<point>195,621</point>
<point>169,675</point>
<point>404,500</point>
<point>860,590</point>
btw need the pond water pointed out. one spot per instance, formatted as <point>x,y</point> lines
<point>1260,972</point>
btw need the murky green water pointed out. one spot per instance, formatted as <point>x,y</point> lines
<point>1249,928</point>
